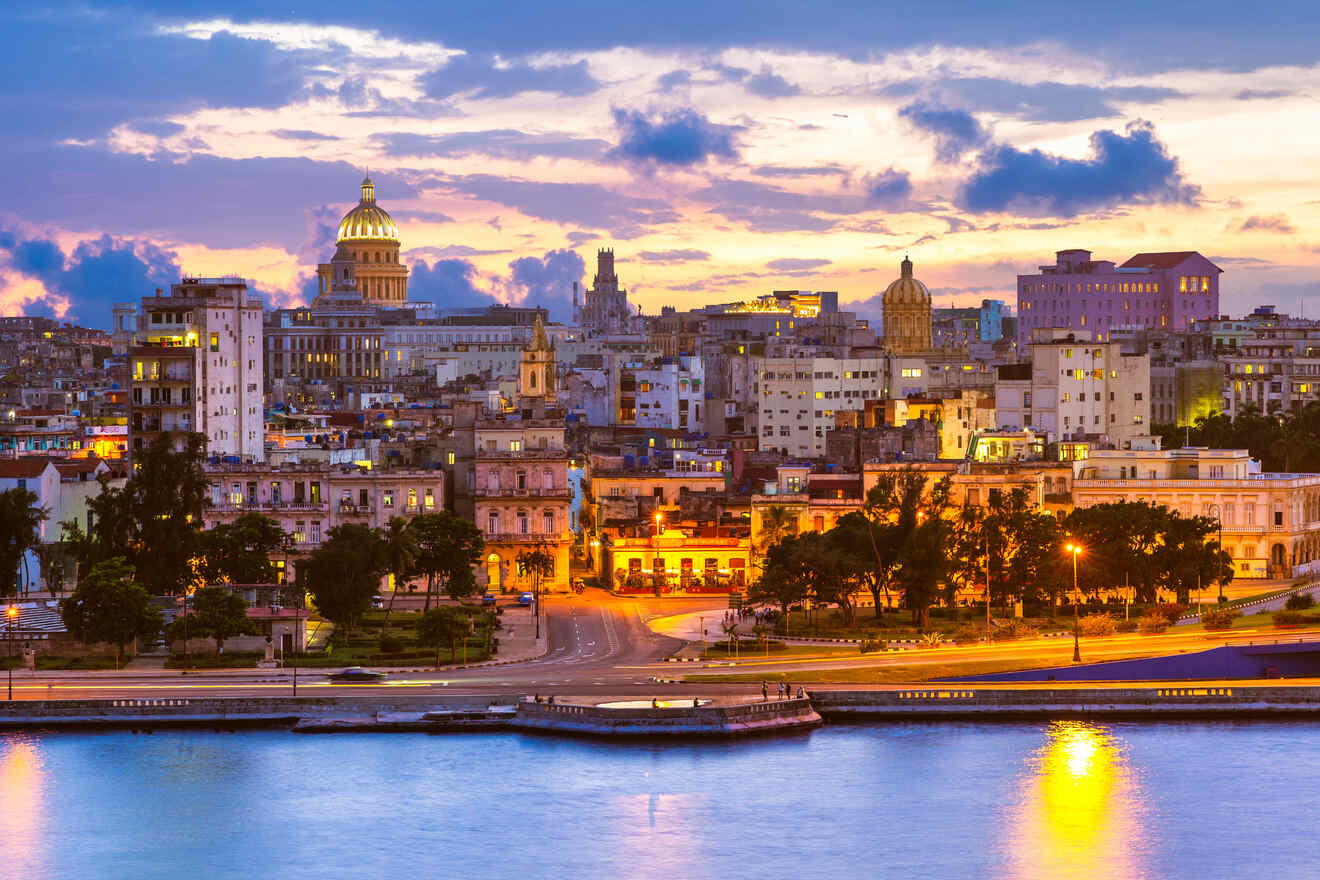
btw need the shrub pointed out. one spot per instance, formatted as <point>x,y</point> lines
<point>932,639</point>
<point>1125,626</point>
<point>868,646</point>
<point>1220,618</point>
<point>1288,617</point>
<point>1153,621</point>
<point>1299,602</point>
<point>1012,631</point>
<point>966,635</point>
<point>1095,625</point>
<point>1170,611</point>
<point>391,644</point>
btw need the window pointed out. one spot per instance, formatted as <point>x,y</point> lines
<point>524,526</point>
<point>300,532</point>
<point>521,479</point>
<point>515,446</point>
<point>1249,518</point>
<point>548,522</point>
<point>450,457</point>
<point>493,524</point>
<point>315,536</point>
<point>388,500</point>
<point>430,499</point>
<point>412,499</point>
<point>215,342</point>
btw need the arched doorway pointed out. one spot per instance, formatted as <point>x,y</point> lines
<point>1278,561</point>
<point>493,571</point>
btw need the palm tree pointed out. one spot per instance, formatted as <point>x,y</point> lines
<point>400,550</point>
<point>20,531</point>
<point>777,523</point>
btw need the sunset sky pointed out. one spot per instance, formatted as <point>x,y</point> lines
<point>722,149</point>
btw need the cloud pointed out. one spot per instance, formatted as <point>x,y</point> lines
<point>792,264</point>
<point>453,250</point>
<point>801,171</point>
<point>677,138</point>
<point>1263,94</point>
<point>956,132</point>
<point>768,84</point>
<point>890,188</point>
<point>1274,223</point>
<point>577,236</point>
<point>503,143</point>
<point>422,216</point>
<point>1135,168</point>
<point>673,256</point>
<point>587,205</point>
<point>548,281</point>
<point>674,79</point>
<point>1032,102</point>
<point>303,134</point>
<point>450,284</point>
<point>99,272</point>
<point>483,76</point>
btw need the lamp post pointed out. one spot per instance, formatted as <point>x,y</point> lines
<point>1076,550</point>
<point>11,614</point>
<point>1219,576</point>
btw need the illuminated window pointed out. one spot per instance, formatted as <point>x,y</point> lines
<point>412,498</point>
<point>215,342</point>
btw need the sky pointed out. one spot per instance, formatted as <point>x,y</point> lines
<point>723,150</point>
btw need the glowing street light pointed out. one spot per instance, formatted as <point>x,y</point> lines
<point>11,615</point>
<point>1075,550</point>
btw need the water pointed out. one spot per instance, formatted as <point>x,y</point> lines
<point>1069,799</point>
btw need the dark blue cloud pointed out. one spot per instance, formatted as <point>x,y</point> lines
<point>956,132</point>
<point>503,143</point>
<point>1263,94</point>
<point>768,84</point>
<point>674,79</point>
<point>587,205</point>
<point>480,76</point>
<point>77,75</point>
<point>1122,170</point>
<point>98,273</point>
<point>161,128</point>
<point>450,284</point>
<point>1033,102</point>
<point>548,281</point>
<point>680,137</point>
<point>303,134</point>
<point>1278,223</point>
<point>890,188</point>
<point>793,264</point>
<point>223,202</point>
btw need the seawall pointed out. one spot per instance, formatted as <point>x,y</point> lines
<point>710,720</point>
<point>1171,701</point>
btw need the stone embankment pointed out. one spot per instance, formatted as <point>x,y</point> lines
<point>739,719</point>
<point>1174,700</point>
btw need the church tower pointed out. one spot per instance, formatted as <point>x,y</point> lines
<point>536,370</point>
<point>905,312</point>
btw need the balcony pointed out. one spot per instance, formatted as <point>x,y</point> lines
<point>524,455</point>
<point>527,537</point>
<point>355,509</point>
<point>509,492</point>
<point>270,506</point>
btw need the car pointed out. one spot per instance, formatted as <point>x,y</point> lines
<point>488,599</point>
<point>378,601</point>
<point>358,674</point>
<point>525,599</point>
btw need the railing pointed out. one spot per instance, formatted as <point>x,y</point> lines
<point>525,537</point>
<point>501,491</point>
<point>537,454</point>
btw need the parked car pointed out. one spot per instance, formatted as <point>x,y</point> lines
<point>377,601</point>
<point>525,599</point>
<point>358,674</point>
<point>488,599</point>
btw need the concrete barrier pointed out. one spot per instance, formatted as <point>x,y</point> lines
<point>719,721</point>
<point>960,701</point>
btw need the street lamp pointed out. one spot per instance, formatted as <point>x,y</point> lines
<point>1219,564</point>
<point>1076,550</point>
<point>11,615</point>
<point>659,527</point>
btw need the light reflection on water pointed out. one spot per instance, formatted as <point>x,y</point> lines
<point>1078,816</point>
<point>21,793</point>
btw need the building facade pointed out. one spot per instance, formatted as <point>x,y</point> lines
<point>370,237</point>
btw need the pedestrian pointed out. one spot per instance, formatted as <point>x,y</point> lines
<point>695,702</point>
<point>655,702</point>
<point>801,693</point>
<point>779,690</point>
<point>765,692</point>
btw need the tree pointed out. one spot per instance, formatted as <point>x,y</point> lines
<point>240,552</point>
<point>20,529</point>
<point>108,605</point>
<point>344,573</point>
<point>54,559</point>
<point>777,523</point>
<point>399,546</point>
<point>538,564</point>
<point>1187,561</point>
<point>216,613</point>
<point>447,548</point>
<point>781,582</point>
<point>445,624</point>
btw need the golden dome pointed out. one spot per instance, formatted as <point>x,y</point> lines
<point>368,221</point>
<point>906,290</point>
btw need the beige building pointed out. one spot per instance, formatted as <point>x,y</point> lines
<point>521,494</point>
<point>1076,388</point>
<point>1271,522</point>
<point>906,312</point>
<point>958,415</point>
<point>674,562</point>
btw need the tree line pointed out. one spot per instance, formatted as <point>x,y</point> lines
<point>1284,442</point>
<point>910,541</point>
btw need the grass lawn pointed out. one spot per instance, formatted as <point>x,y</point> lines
<point>828,623</point>
<point>363,646</point>
<point>1262,621</point>
<point>204,660</point>
<point>90,661</point>
<point>717,652</point>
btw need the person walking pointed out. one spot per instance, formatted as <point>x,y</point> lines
<point>765,692</point>
<point>801,694</point>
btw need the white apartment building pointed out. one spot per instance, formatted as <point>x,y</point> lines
<point>1075,387</point>
<point>1271,522</point>
<point>1279,369</point>
<point>666,394</point>
<point>798,397</point>
<point>197,366</point>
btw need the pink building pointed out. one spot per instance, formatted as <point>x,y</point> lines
<point>1168,290</point>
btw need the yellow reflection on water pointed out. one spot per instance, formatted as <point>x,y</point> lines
<point>1077,816</point>
<point>21,787</point>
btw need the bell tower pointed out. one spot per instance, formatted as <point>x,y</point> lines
<point>536,371</point>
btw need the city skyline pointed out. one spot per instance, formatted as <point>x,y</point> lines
<point>720,161</point>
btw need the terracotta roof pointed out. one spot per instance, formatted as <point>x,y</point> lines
<point>23,468</point>
<point>71,466</point>
<point>1161,261</point>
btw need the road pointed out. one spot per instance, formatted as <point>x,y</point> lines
<point>599,644</point>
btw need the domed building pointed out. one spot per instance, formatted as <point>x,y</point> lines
<point>905,308</point>
<point>368,236</point>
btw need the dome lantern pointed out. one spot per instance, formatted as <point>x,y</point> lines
<point>368,221</point>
